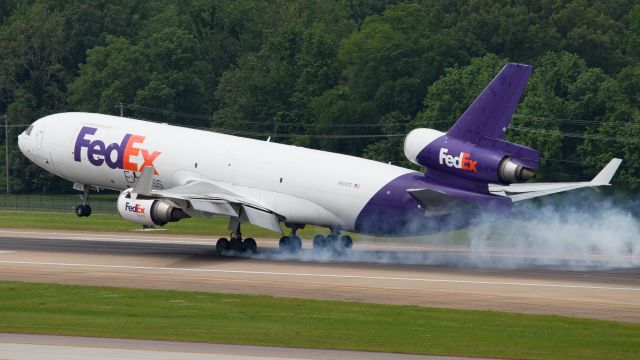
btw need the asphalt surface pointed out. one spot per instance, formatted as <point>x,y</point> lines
<point>378,273</point>
<point>41,347</point>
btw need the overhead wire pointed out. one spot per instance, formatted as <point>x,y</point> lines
<point>221,127</point>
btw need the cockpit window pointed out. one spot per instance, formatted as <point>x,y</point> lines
<point>28,132</point>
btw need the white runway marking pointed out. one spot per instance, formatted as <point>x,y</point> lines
<point>427,280</point>
<point>6,251</point>
<point>54,347</point>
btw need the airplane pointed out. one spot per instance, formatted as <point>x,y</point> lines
<point>167,173</point>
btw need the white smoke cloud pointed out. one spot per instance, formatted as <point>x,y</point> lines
<point>571,236</point>
<point>574,232</point>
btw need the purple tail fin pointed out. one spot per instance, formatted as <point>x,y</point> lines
<point>490,113</point>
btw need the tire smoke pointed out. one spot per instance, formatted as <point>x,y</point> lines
<point>581,231</point>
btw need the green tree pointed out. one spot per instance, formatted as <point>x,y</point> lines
<point>30,68</point>
<point>390,149</point>
<point>564,97</point>
<point>6,8</point>
<point>113,74</point>
<point>447,98</point>
<point>590,32</point>
<point>633,33</point>
<point>618,136</point>
<point>393,57</point>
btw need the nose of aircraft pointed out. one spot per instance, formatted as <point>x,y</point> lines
<point>25,141</point>
<point>21,142</point>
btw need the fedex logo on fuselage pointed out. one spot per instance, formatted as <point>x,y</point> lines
<point>135,208</point>
<point>116,156</point>
<point>459,162</point>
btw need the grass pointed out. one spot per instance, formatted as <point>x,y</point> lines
<point>198,225</point>
<point>101,203</point>
<point>103,222</point>
<point>264,320</point>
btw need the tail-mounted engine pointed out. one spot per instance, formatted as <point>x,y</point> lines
<point>494,161</point>
<point>149,212</point>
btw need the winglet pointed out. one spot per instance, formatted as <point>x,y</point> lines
<point>606,174</point>
<point>143,186</point>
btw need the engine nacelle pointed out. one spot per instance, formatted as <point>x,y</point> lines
<point>149,212</point>
<point>417,140</point>
<point>442,153</point>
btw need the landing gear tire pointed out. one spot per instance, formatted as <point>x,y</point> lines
<point>333,242</point>
<point>345,242</point>
<point>291,244</point>
<point>297,243</point>
<point>223,246</point>
<point>236,245</point>
<point>319,242</point>
<point>250,245</point>
<point>83,210</point>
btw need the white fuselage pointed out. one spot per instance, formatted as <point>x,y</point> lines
<point>303,185</point>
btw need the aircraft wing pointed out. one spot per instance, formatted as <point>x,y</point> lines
<point>519,192</point>
<point>210,197</point>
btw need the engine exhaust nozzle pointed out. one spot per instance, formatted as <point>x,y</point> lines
<point>510,172</point>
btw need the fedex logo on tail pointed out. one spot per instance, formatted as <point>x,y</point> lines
<point>459,162</point>
<point>116,156</point>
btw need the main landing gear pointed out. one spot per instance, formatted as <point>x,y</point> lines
<point>333,242</point>
<point>236,245</point>
<point>84,209</point>
<point>291,243</point>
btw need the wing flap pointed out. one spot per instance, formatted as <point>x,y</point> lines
<point>262,219</point>
<point>214,207</point>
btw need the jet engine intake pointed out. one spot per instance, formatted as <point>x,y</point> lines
<point>417,140</point>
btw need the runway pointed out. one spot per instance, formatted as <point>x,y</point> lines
<point>37,347</point>
<point>152,260</point>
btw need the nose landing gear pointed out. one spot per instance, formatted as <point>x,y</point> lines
<point>84,209</point>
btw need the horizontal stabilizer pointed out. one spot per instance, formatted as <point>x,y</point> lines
<point>519,192</point>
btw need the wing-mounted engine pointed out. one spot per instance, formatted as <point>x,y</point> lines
<point>149,211</point>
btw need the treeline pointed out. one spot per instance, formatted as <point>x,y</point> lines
<point>351,76</point>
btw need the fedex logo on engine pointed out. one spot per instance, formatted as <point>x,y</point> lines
<point>134,208</point>
<point>459,162</point>
<point>116,156</point>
